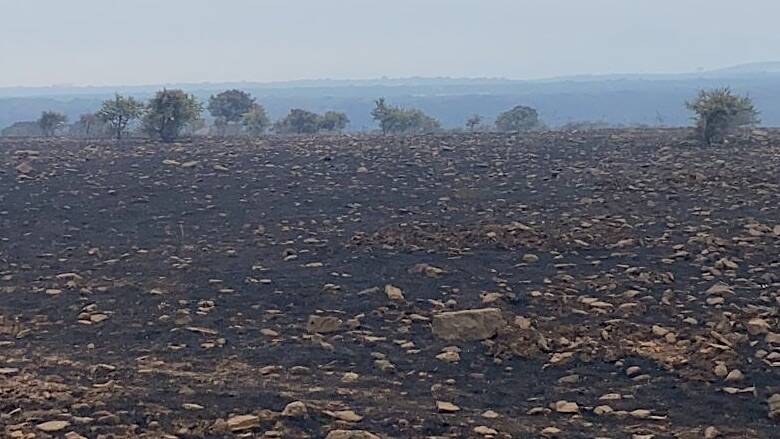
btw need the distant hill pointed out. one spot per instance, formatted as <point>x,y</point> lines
<point>614,99</point>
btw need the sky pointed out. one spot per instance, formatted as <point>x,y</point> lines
<point>111,42</point>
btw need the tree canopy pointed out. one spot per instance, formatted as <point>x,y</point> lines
<point>396,120</point>
<point>168,112</point>
<point>230,105</point>
<point>51,121</point>
<point>719,111</point>
<point>119,112</point>
<point>519,118</point>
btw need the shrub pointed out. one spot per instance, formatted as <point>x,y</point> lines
<point>719,112</point>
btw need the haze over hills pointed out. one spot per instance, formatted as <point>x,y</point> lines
<point>616,99</point>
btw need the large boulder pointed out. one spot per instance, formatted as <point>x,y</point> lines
<point>468,325</point>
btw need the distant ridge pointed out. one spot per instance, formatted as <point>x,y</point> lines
<point>742,70</point>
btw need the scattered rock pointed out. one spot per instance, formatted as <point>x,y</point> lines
<point>295,409</point>
<point>243,422</point>
<point>394,293</point>
<point>446,407</point>
<point>323,324</point>
<point>53,426</point>
<point>469,325</point>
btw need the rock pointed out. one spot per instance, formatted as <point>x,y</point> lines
<point>191,406</point>
<point>446,407</point>
<point>566,407</point>
<point>603,410</point>
<point>530,258</point>
<point>52,426</point>
<point>772,338</point>
<point>243,422</point>
<point>8,370</point>
<point>394,293</point>
<point>721,370</point>
<point>551,432</point>
<point>74,435</point>
<point>295,409</point>
<point>344,415</point>
<point>351,434</point>
<point>349,377</point>
<point>485,431</point>
<point>468,325</point>
<point>449,357</point>
<point>735,375</point>
<point>323,324</point>
<point>24,168</point>
<point>659,331</point>
<point>774,406</point>
<point>757,326</point>
<point>428,270</point>
<point>490,414</point>
<point>711,433</point>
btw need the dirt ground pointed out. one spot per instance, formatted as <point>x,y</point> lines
<point>196,290</point>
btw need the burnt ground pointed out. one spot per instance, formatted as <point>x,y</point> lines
<point>157,291</point>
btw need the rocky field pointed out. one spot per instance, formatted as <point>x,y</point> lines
<point>613,284</point>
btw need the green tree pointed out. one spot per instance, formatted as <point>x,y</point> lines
<point>473,122</point>
<point>256,120</point>
<point>519,118</point>
<point>168,112</point>
<point>298,122</point>
<point>333,121</point>
<point>719,111</point>
<point>230,106</point>
<point>396,120</point>
<point>50,122</point>
<point>117,113</point>
<point>383,115</point>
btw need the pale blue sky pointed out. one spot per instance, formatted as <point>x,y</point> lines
<point>111,42</point>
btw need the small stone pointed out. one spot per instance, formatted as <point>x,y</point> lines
<point>641,413</point>
<point>530,258</point>
<point>344,415</point>
<point>735,375</point>
<point>659,331</point>
<point>74,435</point>
<point>394,293</point>
<point>721,370</point>
<point>551,432</point>
<point>485,431</point>
<point>24,168</point>
<point>446,407</point>
<point>566,407</point>
<point>490,414</point>
<point>603,410</point>
<point>774,406</point>
<point>52,426</point>
<point>190,406</point>
<point>711,433</point>
<point>295,409</point>
<point>449,357</point>
<point>243,422</point>
<point>323,324</point>
<point>757,326</point>
<point>349,377</point>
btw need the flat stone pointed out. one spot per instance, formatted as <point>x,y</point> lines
<point>468,325</point>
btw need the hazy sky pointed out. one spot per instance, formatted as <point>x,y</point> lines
<point>111,42</point>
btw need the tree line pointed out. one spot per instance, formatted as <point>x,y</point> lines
<point>172,113</point>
